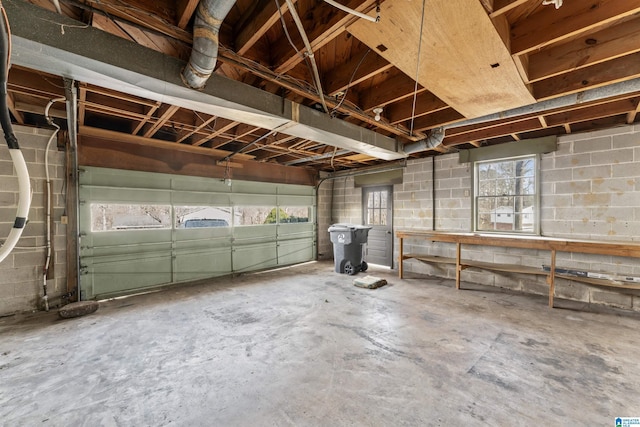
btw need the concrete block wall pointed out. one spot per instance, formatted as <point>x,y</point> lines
<point>590,189</point>
<point>21,273</point>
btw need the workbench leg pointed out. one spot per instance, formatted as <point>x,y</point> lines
<point>400,272</point>
<point>458,267</point>
<point>552,277</point>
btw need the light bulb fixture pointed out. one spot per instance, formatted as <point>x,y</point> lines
<point>556,3</point>
<point>377,111</point>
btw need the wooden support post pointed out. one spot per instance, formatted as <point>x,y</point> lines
<point>458,266</point>
<point>552,277</point>
<point>400,257</point>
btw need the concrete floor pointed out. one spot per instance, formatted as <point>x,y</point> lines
<point>302,346</point>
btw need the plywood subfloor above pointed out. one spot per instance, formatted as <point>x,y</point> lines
<point>463,59</point>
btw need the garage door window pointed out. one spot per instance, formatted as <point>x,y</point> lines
<point>202,216</point>
<point>114,217</point>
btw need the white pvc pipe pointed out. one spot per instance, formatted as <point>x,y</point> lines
<point>24,191</point>
<point>49,195</point>
<point>351,11</point>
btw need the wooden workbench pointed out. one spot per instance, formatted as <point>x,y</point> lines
<point>553,245</point>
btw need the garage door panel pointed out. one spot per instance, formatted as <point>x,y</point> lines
<point>117,261</point>
<point>254,257</point>
<point>295,251</point>
<point>116,275</point>
<point>193,265</point>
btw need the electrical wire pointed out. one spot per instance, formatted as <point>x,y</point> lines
<point>45,269</point>
<point>293,45</point>
<point>309,53</point>
<point>415,89</point>
<point>24,186</point>
<point>353,75</point>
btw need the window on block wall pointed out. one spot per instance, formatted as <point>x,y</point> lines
<point>506,197</point>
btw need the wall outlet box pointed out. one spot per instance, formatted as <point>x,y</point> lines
<point>467,192</point>
<point>64,219</point>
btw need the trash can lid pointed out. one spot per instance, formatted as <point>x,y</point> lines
<point>348,227</point>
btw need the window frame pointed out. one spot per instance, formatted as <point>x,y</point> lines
<point>536,195</point>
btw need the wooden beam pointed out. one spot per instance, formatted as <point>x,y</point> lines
<point>333,21</point>
<point>567,128</point>
<point>494,132</point>
<point>362,66</point>
<point>439,118</point>
<point>184,11</point>
<point>355,113</point>
<point>205,122</point>
<point>164,114</point>
<point>252,26</point>
<point>115,8</point>
<point>225,126</point>
<point>150,112</point>
<point>631,116</point>
<point>150,158</point>
<point>617,70</point>
<point>551,25</point>
<point>426,103</point>
<point>12,107</point>
<point>543,121</point>
<point>500,7</point>
<point>594,112</point>
<point>82,98</point>
<point>108,136</point>
<point>397,87</point>
<point>594,48</point>
<point>39,109</point>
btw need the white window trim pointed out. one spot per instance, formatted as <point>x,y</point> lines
<point>474,197</point>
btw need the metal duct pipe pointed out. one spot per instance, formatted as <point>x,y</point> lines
<point>434,139</point>
<point>204,53</point>
<point>596,94</point>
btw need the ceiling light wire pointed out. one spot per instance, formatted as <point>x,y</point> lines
<point>415,89</point>
<point>309,53</point>
<point>353,75</point>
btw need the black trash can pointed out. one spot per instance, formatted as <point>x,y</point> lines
<point>348,240</point>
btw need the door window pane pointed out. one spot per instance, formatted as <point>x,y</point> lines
<point>113,216</point>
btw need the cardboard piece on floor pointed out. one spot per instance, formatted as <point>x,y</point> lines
<point>369,282</point>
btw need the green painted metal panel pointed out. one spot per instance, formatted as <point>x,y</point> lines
<point>115,275</point>
<point>124,261</point>
<point>254,257</point>
<point>201,264</point>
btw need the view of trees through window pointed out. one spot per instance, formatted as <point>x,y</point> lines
<point>110,216</point>
<point>506,195</point>
<point>113,216</point>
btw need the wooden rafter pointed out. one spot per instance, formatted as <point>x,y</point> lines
<point>361,66</point>
<point>206,121</point>
<point>551,25</point>
<point>594,48</point>
<point>334,23</point>
<point>184,11</point>
<point>12,107</point>
<point>164,114</point>
<point>394,89</point>
<point>254,24</point>
<point>150,112</point>
<point>609,72</point>
<point>225,126</point>
<point>426,103</point>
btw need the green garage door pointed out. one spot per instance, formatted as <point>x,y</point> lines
<point>142,230</point>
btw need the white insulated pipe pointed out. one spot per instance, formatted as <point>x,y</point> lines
<point>24,190</point>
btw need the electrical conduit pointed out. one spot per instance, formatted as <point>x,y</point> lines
<point>24,186</point>
<point>47,262</point>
